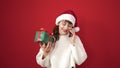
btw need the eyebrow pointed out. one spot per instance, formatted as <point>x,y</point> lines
<point>68,22</point>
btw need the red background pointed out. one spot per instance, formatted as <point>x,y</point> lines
<point>99,21</point>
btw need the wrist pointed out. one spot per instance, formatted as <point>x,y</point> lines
<point>73,40</point>
<point>44,55</point>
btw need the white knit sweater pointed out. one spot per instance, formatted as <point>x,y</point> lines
<point>64,54</point>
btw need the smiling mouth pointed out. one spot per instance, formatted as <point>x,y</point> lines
<point>64,30</point>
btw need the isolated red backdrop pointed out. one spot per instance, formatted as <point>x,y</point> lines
<point>99,21</point>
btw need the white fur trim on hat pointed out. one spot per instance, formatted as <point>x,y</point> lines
<point>68,17</point>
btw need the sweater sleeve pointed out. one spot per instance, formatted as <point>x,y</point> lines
<point>78,51</point>
<point>43,62</point>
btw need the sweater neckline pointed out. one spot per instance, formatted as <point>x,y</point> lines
<point>64,36</point>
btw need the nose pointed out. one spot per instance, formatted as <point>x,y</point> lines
<point>66,27</point>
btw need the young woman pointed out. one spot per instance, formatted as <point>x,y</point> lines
<point>68,49</point>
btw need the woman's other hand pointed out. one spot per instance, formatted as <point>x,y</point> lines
<point>46,49</point>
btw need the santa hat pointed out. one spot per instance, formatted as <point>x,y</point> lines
<point>70,16</point>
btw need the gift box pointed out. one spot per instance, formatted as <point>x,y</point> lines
<point>44,37</point>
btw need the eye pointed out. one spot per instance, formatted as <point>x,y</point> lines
<point>70,26</point>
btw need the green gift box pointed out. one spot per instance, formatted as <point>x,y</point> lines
<point>44,37</point>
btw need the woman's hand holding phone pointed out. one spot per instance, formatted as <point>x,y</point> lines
<point>72,38</point>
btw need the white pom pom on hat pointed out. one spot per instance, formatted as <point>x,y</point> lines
<point>70,16</point>
<point>76,29</point>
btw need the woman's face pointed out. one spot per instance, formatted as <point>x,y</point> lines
<point>64,27</point>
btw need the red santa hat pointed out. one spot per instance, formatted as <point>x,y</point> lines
<point>70,16</point>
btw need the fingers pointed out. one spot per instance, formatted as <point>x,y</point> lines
<point>43,46</point>
<point>72,31</point>
<point>48,44</point>
<point>48,47</point>
<point>40,44</point>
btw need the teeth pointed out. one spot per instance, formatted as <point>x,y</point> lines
<point>64,30</point>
